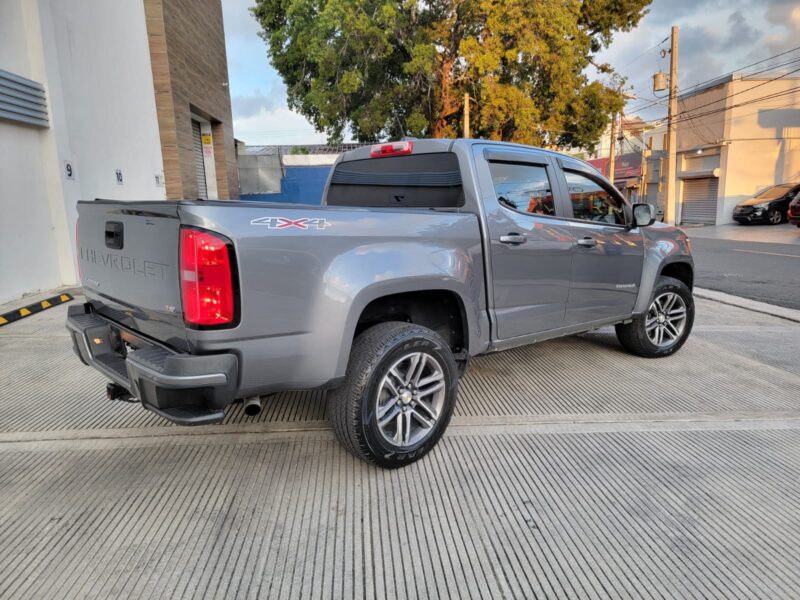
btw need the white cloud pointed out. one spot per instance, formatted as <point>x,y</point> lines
<point>276,126</point>
<point>249,105</point>
<point>716,37</point>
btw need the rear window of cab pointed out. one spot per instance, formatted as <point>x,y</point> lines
<point>413,181</point>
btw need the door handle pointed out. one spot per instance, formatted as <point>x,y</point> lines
<point>587,242</point>
<point>514,239</point>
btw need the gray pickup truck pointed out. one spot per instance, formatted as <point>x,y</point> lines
<point>423,254</point>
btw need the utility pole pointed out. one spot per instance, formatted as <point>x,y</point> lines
<point>612,150</point>
<point>466,115</point>
<point>671,214</point>
<point>643,169</point>
<point>612,154</point>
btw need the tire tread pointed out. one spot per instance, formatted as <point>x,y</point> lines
<point>632,336</point>
<point>344,403</point>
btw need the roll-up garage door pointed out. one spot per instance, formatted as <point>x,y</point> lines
<point>700,201</point>
<point>199,163</point>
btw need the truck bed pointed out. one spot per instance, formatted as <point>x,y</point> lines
<point>302,272</point>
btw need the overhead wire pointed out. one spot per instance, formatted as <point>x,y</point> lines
<point>650,104</point>
<point>687,115</point>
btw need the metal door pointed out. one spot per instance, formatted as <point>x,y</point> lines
<point>199,161</point>
<point>699,200</point>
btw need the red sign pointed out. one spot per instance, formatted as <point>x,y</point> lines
<point>625,166</point>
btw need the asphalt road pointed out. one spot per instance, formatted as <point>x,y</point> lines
<point>765,272</point>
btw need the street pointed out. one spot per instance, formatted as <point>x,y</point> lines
<point>759,270</point>
<point>570,470</point>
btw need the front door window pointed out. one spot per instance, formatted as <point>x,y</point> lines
<point>591,202</point>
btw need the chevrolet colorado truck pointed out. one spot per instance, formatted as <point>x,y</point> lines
<point>423,254</point>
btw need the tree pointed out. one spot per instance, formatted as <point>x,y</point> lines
<point>389,68</point>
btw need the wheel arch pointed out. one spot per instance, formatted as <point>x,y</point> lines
<point>441,308</point>
<point>656,266</point>
<point>681,270</point>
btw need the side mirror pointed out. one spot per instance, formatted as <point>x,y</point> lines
<point>643,215</point>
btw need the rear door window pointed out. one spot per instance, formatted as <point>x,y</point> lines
<point>417,180</point>
<point>523,187</point>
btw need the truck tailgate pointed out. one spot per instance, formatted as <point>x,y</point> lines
<point>129,258</point>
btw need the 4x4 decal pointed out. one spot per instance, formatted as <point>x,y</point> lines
<point>285,223</point>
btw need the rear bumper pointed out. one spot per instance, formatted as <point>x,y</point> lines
<point>184,388</point>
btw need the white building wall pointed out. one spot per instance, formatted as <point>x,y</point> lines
<point>28,252</point>
<point>92,56</point>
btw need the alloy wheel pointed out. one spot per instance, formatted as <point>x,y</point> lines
<point>775,217</point>
<point>410,399</point>
<point>666,320</point>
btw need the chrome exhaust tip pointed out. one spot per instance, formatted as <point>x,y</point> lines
<point>252,406</point>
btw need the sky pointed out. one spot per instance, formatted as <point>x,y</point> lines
<point>716,37</point>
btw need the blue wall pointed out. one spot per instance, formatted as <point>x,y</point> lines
<point>300,185</point>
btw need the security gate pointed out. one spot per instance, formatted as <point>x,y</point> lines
<point>199,162</point>
<point>699,201</point>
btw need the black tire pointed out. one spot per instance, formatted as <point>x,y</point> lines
<point>633,336</point>
<point>774,216</point>
<point>352,408</point>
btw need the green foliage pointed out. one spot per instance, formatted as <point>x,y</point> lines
<point>389,68</point>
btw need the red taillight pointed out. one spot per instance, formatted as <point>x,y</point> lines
<point>391,149</point>
<point>206,279</point>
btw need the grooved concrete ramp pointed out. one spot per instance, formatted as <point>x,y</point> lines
<point>703,514</point>
<point>575,377</point>
<point>571,470</point>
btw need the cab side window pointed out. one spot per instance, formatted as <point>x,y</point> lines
<point>591,202</point>
<point>523,187</point>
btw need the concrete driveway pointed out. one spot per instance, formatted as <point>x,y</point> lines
<point>571,470</point>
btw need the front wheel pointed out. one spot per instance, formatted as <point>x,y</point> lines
<point>774,216</point>
<point>398,396</point>
<point>663,329</point>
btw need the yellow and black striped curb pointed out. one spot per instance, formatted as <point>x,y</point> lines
<point>26,311</point>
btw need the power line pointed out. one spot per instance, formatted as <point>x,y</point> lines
<point>690,118</point>
<point>642,54</point>
<point>650,104</point>
<point>702,83</point>
<point>772,68</point>
<point>645,106</point>
<point>683,117</point>
<point>686,113</point>
<point>743,91</point>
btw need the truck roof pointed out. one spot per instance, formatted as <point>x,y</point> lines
<point>428,146</point>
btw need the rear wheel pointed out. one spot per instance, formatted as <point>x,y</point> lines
<point>398,396</point>
<point>663,329</point>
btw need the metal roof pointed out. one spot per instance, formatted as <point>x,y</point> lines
<point>282,150</point>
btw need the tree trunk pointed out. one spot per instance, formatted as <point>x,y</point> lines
<point>449,104</point>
